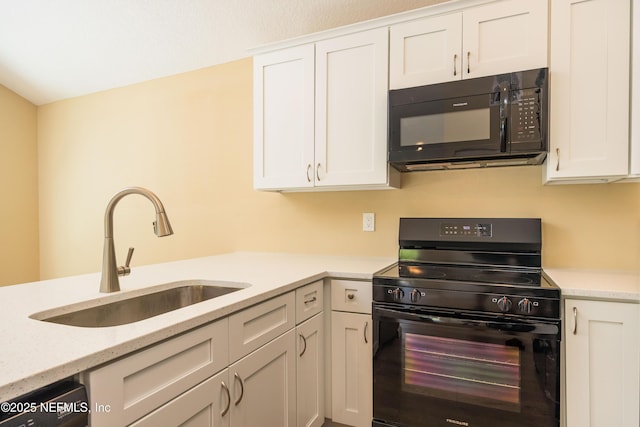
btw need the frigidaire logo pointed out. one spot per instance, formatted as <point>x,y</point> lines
<point>458,423</point>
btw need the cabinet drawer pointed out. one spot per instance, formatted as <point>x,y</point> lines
<point>351,295</point>
<point>136,385</point>
<point>255,326</point>
<point>309,301</point>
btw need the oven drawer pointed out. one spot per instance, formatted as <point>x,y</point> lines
<point>351,295</point>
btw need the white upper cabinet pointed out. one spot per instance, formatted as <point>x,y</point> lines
<point>589,91</point>
<point>351,109</point>
<point>283,118</point>
<point>425,51</point>
<point>320,115</point>
<point>495,38</point>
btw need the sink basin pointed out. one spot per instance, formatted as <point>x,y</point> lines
<point>139,307</point>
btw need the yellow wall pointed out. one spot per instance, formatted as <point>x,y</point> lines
<point>189,139</point>
<point>18,190</point>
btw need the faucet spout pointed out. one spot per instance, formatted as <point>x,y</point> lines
<point>161,227</point>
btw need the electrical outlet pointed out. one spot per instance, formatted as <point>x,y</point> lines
<point>368,222</point>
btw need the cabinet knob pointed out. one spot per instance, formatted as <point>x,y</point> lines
<point>351,296</point>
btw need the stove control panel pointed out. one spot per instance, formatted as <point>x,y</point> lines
<point>512,304</point>
<point>465,229</point>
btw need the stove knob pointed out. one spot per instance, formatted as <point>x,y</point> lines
<point>525,305</point>
<point>398,294</point>
<point>415,295</point>
<point>504,304</point>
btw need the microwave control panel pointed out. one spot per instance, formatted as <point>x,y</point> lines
<point>525,115</point>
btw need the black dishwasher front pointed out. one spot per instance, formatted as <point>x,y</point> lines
<point>63,403</point>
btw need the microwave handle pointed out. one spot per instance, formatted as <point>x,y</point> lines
<point>504,108</point>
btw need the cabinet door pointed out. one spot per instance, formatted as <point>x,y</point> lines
<point>352,367</point>
<point>425,51</point>
<point>310,372</point>
<point>602,363</point>
<point>589,93</point>
<point>505,36</point>
<point>283,118</point>
<point>205,405</point>
<point>351,109</point>
<point>263,385</point>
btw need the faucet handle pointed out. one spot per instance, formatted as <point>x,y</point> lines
<point>125,271</point>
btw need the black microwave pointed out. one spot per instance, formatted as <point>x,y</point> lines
<point>499,120</point>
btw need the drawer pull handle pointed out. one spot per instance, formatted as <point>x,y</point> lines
<point>468,62</point>
<point>366,326</point>
<point>304,341</point>
<point>557,159</point>
<point>310,300</point>
<point>226,390</point>
<point>455,59</point>
<point>575,320</point>
<point>350,296</point>
<point>237,377</point>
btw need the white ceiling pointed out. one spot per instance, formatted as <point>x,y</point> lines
<point>53,50</point>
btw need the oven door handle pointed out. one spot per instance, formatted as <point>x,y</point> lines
<point>498,324</point>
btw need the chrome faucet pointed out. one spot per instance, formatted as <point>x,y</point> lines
<point>161,227</point>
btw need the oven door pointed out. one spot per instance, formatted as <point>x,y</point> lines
<point>442,370</point>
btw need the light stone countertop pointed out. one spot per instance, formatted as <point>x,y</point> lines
<point>596,284</point>
<point>34,353</point>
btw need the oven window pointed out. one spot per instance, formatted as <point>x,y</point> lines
<point>465,371</point>
<point>455,126</point>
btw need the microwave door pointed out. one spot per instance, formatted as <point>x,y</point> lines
<point>448,128</point>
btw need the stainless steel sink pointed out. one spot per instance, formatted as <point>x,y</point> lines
<point>139,307</point>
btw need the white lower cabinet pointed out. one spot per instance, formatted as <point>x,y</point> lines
<point>263,385</point>
<point>602,363</point>
<point>351,353</point>
<point>258,367</point>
